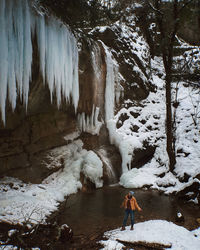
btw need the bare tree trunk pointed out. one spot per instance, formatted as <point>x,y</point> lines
<point>167,49</point>
<point>169,126</point>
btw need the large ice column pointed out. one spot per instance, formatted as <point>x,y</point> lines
<point>111,83</point>
<point>58,54</point>
<point>113,90</point>
<point>112,95</point>
<point>111,77</point>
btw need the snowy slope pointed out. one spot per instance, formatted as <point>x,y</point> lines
<point>152,111</point>
<point>154,231</point>
<point>139,124</point>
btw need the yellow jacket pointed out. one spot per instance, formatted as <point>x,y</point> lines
<point>133,202</point>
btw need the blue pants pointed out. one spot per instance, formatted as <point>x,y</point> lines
<point>127,212</point>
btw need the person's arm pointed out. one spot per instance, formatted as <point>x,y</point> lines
<point>123,204</point>
<point>137,206</point>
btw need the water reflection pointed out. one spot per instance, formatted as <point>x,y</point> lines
<point>100,209</point>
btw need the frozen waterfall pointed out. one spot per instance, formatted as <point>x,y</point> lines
<point>111,79</point>
<point>58,54</point>
<point>112,94</point>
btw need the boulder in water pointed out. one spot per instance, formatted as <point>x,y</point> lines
<point>65,233</point>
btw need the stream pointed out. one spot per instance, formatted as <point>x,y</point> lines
<point>89,214</point>
<point>99,210</point>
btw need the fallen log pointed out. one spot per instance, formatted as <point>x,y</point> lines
<point>149,246</point>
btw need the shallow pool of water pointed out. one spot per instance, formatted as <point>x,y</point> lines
<point>99,210</point>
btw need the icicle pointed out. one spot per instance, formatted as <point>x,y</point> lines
<point>40,26</point>
<point>3,59</point>
<point>59,63</point>
<point>11,63</point>
<point>75,85</point>
<point>90,124</point>
<point>58,54</point>
<point>18,20</point>
<point>27,52</point>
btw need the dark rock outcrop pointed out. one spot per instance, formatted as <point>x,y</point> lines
<point>142,156</point>
<point>126,58</point>
<point>193,191</point>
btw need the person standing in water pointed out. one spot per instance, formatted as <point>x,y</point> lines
<point>130,204</point>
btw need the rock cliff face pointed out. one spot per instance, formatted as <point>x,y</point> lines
<point>84,106</point>
<point>28,135</point>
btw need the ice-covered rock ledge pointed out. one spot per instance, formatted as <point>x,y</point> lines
<point>32,203</point>
<point>158,232</point>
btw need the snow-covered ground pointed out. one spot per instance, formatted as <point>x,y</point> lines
<point>149,118</point>
<point>10,247</point>
<point>32,203</point>
<point>154,231</point>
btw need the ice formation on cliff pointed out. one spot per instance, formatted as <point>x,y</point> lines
<point>90,124</point>
<point>112,82</point>
<point>58,54</point>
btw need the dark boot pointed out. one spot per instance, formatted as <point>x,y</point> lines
<point>131,227</point>
<point>123,228</point>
